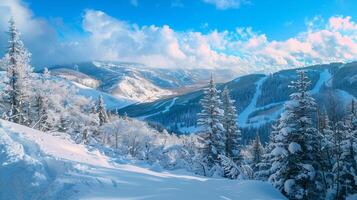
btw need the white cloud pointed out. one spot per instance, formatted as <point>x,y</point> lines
<point>165,47</point>
<point>38,35</point>
<point>226,4</point>
<point>109,38</point>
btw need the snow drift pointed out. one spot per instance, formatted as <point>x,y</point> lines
<point>37,165</point>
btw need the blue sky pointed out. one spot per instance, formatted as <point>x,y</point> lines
<point>278,19</point>
<point>255,35</point>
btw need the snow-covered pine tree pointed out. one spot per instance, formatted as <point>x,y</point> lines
<point>41,105</point>
<point>212,138</point>
<point>345,168</point>
<point>264,167</point>
<point>17,61</point>
<point>102,113</point>
<point>297,163</point>
<point>326,149</point>
<point>256,150</point>
<point>232,132</point>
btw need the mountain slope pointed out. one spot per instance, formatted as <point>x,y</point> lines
<point>259,98</point>
<point>135,81</point>
<point>37,165</point>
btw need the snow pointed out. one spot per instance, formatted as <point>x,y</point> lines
<point>325,76</point>
<point>345,96</point>
<point>294,147</point>
<point>288,185</point>
<point>277,151</point>
<point>111,102</point>
<point>76,76</point>
<point>167,109</point>
<point>66,150</point>
<point>243,116</point>
<point>310,169</point>
<point>51,166</point>
<point>138,89</point>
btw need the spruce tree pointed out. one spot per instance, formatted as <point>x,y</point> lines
<point>265,165</point>
<point>345,168</point>
<point>232,132</point>
<point>297,164</point>
<point>18,74</point>
<point>41,106</point>
<point>326,149</point>
<point>257,151</point>
<point>212,136</point>
<point>102,113</point>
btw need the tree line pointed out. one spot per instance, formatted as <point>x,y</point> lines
<point>308,156</point>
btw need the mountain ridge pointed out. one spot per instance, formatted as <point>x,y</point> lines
<point>136,81</point>
<point>259,97</point>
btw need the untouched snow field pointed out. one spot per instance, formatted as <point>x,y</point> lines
<point>37,165</point>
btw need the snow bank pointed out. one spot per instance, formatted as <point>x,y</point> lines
<point>37,165</point>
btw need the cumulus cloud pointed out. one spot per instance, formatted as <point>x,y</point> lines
<point>113,39</point>
<point>244,50</point>
<point>165,47</point>
<point>38,35</point>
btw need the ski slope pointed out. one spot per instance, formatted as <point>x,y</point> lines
<point>167,109</point>
<point>325,76</point>
<point>37,165</point>
<point>243,116</point>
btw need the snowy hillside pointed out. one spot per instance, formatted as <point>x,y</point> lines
<point>259,98</point>
<point>135,81</point>
<point>112,102</point>
<point>37,165</point>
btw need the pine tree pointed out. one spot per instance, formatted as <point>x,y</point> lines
<point>256,152</point>
<point>297,163</point>
<point>232,132</point>
<point>41,106</point>
<point>102,113</point>
<point>342,161</point>
<point>264,167</point>
<point>212,136</point>
<point>18,75</point>
<point>326,146</point>
<point>345,168</point>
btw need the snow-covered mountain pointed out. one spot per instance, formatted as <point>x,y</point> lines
<point>81,87</point>
<point>37,165</point>
<point>135,81</point>
<point>259,98</point>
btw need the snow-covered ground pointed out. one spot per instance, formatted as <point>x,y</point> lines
<point>167,109</point>
<point>243,117</point>
<point>138,89</point>
<point>111,102</point>
<point>37,165</point>
<point>325,76</point>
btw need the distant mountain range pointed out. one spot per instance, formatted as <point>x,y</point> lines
<point>136,82</point>
<point>259,98</point>
<point>170,98</point>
